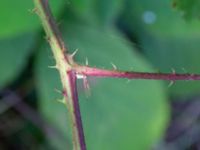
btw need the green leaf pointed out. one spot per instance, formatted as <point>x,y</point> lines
<point>97,11</point>
<point>117,115</point>
<point>108,11</point>
<point>17,16</point>
<point>181,55</point>
<point>189,8</point>
<point>14,53</point>
<point>166,39</point>
<point>144,15</point>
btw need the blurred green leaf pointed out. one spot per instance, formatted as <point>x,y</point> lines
<point>14,53</point>
<point>118,114</point>
<point>167,39</point>
<point>189,8</point>
<point>17,16</point>
<point>97,11</point>
<point>143,16</point>
<point>108,11</point>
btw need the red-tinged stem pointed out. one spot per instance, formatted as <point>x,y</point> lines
<point>77,121</point>
<point>96,72</point>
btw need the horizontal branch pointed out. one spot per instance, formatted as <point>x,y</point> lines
<point>96,72</point>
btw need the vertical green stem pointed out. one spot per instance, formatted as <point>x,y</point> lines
<point>64,64</point>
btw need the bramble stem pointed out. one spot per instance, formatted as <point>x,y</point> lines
<point>89,71</point>
<point>69,70</point>
<point>64,63</point>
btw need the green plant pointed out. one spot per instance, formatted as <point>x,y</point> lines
<point>69,71</point>
<point>106,107</point>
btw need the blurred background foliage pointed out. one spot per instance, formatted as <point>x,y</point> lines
<point>137,35</point>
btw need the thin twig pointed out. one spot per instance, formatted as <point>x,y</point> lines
<point>96,72</point>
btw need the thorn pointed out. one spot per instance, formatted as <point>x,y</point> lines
<point>128,81</point>
<point>170,84</point>
<point>58,91</point>
<point>184,70</point>
<point>61,101</point>
<point>86,61</point>
<point>53,67</point>
<point>86,86</point>
<point>114,66</point>
<point>34,10</point>
<point>173,71</point>
<point>74,53</point>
